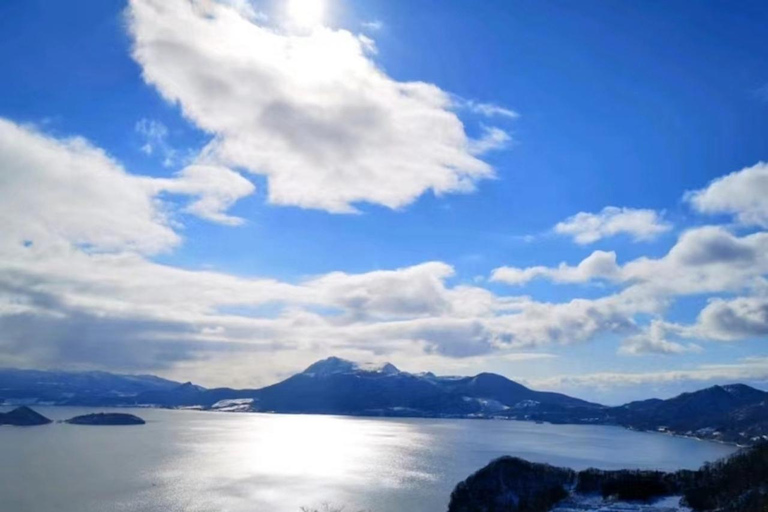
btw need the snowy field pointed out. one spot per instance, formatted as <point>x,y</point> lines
<point>580,503</point>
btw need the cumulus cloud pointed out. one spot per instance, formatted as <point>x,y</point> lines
<point>709,259</point>
<point>65,271</point>
<point>415,291</point>
<point>734,319</point>
<point>310,111</point>
<point>53,190</point>
<point>705,261</point>
<point>598,265</point>
<point>68,191</point>
<point>76,276</point>
<point>586,228</point>
<point>410,310</point>
<point>743,194</point>
<point>654,340</point>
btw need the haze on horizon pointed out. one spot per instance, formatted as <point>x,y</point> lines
<point>224,191</point>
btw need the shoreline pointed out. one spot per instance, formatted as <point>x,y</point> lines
<point>395,416</point>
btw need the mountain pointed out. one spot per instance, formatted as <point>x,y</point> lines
<point>338,386</point>
<point>23,417</point>
<point>75,388</point>
<point>734,413</point>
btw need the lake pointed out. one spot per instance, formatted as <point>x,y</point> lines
<point>194,461</point>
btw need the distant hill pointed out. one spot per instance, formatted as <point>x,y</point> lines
<point>23,417</point>
<point>75,388</point>
<point>733,413</point>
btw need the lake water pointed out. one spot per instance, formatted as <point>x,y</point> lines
<point>194,461</point>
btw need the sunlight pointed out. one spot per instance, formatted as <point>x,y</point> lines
<point>306,13</point>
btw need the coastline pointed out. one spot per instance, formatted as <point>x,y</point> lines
<point>395,416</point>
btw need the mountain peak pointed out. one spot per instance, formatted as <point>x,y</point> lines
<point>189,387</point>
<point>329,366</point>
<point>736,391</point>
<point>23,416</point>
<point>335,365</point>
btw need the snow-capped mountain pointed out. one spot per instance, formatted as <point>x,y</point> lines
<point>734,412</point>
<point>336,365</point>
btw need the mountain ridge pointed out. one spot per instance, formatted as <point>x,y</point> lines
<point>734,413</point>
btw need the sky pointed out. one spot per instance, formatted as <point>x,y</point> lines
<point>571,194</point>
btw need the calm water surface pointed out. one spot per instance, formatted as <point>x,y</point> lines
<point>217,462</point>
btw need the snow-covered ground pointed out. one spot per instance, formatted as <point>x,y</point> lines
<point>234,405</point>
<point>581,503</point>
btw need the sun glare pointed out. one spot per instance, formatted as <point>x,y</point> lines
<point>306,13</point>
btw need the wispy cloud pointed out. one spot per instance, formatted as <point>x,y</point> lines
<point>484,109</point>
<point>492,139</point>
<point>154,135</point>
<point>373,25</point>
<point>755,368</point>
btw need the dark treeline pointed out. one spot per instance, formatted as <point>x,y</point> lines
<point>735,484</point>
<point>510,484</point>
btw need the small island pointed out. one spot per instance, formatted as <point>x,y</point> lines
<point>23,417</point>
<point>102,418</point>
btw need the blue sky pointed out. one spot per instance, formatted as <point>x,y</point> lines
<point>615,105</point>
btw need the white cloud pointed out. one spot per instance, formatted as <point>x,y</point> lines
<point>598,265</point>
<point>708,259</point>
<point>68,191</point>
<point>75,276</point>
<point>155,137</point>
<point>246,9</point>
<point>374,25</point>
<point>414,291</point>
<point>734,319</point>
<point>704,260</point>
<point>654,340</point>
<point>410,310</point>
<point>53,190</point>
<point>215,190</point>
<point>492,139</point>
<point>485,109</point>
<point>154,132</point>
<point>586,228</point>
<point>310,111</point>
<point>743,194</point>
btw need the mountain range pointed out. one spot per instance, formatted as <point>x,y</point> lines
<point>732,413</point>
